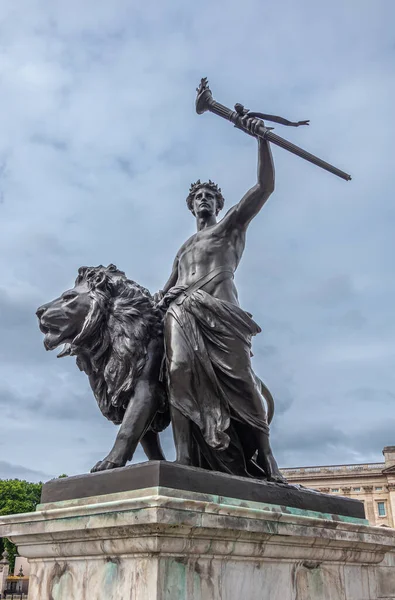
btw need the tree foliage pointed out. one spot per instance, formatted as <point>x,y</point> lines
<point>17,496</point>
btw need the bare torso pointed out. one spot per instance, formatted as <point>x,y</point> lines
<point>212,247</point>
<point>220,245</point>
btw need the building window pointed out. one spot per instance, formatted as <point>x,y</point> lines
<point>379,489</point>
<point>381,509</point>
<point>334,489</point>
<point>358,489</point>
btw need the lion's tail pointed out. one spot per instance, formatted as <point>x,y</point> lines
<point>268,397</point>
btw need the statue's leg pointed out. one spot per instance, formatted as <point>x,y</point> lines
<point>140,411</point>
<point>179,384</point>
<point>138,416</point>
<point>182,436</point>
<point>152,446</point>
<point>265,458</point>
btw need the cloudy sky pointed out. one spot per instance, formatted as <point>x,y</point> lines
<point>99,143</point>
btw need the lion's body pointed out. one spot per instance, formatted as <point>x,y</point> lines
<point>113,328</point>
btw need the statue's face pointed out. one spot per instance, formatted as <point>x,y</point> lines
<point>204,203</point>
<point>63,318</point>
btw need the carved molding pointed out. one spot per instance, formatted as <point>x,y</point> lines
<point>154,525</point>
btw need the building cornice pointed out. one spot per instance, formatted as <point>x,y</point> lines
<point>326,475</point>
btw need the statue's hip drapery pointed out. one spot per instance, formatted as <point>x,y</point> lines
<point>209,375</point>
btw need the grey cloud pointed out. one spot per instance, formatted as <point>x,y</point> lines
<point>126,166</point>
<point>80,440</point>
<point>352,320</point>
<point>333,291</point>
<point>3,176</point>
<point>52,399</point>
<point>267,350</point>
<point>13,313</point>
<point>54,143</point>
<point>321,443</point>
<point>369,441</point>
<point>328,444</point>
<point>11,471</point>
<point>75,407</point>
<point>373,395</point>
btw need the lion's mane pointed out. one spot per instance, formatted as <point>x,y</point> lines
<point>112,346</point>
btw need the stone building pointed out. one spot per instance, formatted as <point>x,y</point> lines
<point>372,483</point>
<point>18,583</point>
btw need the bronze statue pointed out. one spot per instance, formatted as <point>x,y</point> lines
<point>111,325</point>
<point>184,353</point>
<point>216,405</point>
<point>216,402</point>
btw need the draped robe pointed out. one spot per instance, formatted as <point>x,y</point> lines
<point>210,343</point>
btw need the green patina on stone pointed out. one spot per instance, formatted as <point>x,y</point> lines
<point>110,576</point>
<point>214,500</point>
<point>197,588</point>
<point>175,580</point>
<point>314,584</point>
<point>62,586</point>
<point>219,501</point>
<point>289,510</point>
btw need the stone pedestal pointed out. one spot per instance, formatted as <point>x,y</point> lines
<point>161,543</point>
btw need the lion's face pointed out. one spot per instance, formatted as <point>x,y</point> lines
<point>107,322</point>
<point>62,319</point>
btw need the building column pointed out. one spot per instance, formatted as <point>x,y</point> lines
<point>369,504</point>
<point>4,569</point>
<point>391,502</point>
<point>389,472</point>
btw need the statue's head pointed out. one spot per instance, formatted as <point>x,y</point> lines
<point>205,199</point>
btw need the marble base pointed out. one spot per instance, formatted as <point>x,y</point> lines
<point>164,544</point>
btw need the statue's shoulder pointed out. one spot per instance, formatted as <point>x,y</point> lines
<point>229,221</point>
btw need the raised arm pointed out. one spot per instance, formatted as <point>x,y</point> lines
<point>255,198</point>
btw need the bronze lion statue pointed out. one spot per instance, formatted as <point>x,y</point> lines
<point>110,324</point>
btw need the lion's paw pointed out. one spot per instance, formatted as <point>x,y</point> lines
<point>105,465</point>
